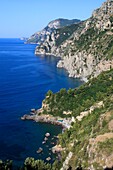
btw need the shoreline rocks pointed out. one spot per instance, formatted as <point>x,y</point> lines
<point>48,159</point>
<point>33,111</point>
<point>39,150</point>
<point>47,134</point>
<point>57,149</point>
<point>52,120</point>
<point>28,117</point>
<point>45,139</point>
<point>43,119</point>
<point>43,142</point>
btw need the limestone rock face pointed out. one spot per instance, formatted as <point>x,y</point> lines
<point>103,14</point>
<point>79,65</point>
<point>42,35</point>
<point>85,48</point>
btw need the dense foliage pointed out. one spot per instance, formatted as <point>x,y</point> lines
<point>98,43</point>
<point>5,165</point>
<point>30,164</point>
<point>77,138</point>
<point>65,33</point>
<point>80,99</point>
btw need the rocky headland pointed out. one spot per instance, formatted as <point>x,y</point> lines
<point>85,48</point>
<point>39,116</point>
<point>40,36</point>
<point>86,113</point>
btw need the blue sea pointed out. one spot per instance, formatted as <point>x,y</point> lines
<point>24,81</point>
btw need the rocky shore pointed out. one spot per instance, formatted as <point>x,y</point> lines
<point>85,53</point>
<point>42,118</point>
<point>35,116</point>
<point>64,123</point>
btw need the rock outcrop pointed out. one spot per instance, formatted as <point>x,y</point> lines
<point>86,113</point>
<point>42,35</point>
<point>85,48</point>
<point>66,162</point>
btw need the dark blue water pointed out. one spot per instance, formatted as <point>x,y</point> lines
<point>24,81</point>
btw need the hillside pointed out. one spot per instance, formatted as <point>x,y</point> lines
<point>41,36</point>
<point>89,140</point>
<point>86,48</point>
<point>86,112</point>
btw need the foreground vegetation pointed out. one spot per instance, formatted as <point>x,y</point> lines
<point>96,125</point>
<point>91,139</point>
<point>80,99</point>
<point>29,164</point>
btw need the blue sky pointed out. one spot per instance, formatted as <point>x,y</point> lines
<point>20,18</point>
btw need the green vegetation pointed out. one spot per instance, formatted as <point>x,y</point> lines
<point>88,138</point>
<point>36,38</point>
<point>86,39</point>
<point>91,126</point>
<point>103,146</point>
<point>5,165</point>
<point>32,164</point>
<point>111,19</point>
<point>65,33</point>
<point>78,138</point>
<point>95,42</point>
<point>81,99</point>
<point>32,40</point>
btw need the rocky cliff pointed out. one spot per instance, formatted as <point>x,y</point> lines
<point>88,143</point>
<point>42,35</point>
<point>85,48</point>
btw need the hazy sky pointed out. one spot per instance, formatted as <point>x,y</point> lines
<point>20,18</point>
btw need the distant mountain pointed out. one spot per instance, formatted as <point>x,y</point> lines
<point>23,38</point>
<point>41,36</point>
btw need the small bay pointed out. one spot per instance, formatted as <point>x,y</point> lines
<point>24,81</point>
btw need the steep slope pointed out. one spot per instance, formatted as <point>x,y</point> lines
<point>86,48</point>
<point>41,36</point>
<point>89,142</point>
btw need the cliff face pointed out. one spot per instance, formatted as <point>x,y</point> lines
<point>41,36</point>
<point>86,48</point>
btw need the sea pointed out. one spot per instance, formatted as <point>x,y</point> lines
<point>24,81</point>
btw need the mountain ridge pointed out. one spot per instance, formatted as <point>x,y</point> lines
<point>86,51</point>
<point>85,48</point>
<point>40,36</point>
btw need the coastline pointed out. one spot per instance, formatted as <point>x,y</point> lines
<point>49,119</point>
<point>31,127</point>
<point>84,79</point>
<point>38,116</point>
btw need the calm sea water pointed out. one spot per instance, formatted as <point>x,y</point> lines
<point>24,81</point>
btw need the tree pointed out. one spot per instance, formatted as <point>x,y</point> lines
<point>6,165</point>
<point>49,93</point>
<point>32,164</point>
<point>63,91</point>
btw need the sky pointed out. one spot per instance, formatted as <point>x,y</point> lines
<point>22,18</point>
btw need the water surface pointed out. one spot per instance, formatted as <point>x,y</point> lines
<point>24,81</point>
